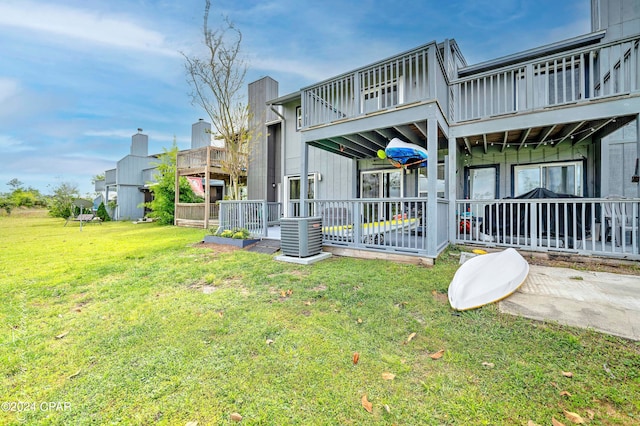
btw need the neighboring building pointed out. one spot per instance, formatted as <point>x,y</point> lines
<point>562,116</point>
<point>126,187</point>
<point>123,188</point>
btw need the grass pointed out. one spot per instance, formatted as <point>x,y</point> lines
<point>154,330</point>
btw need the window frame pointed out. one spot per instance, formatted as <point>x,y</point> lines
<point>580,175</point>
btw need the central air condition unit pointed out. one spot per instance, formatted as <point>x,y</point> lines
<point>301,236</point>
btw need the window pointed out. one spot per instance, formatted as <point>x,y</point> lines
<point>382,95</point>
<point>292,194</point>
<point>294,188</point>
<point>562,178</point>
<point>298,117</point>
<point>381,184</point>
<point>423,182</point>
<point>482,183</point>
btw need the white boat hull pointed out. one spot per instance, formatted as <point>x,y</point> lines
<point>486,279</point>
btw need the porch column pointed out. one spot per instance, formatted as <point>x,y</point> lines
<point>207,190</point>
<point>637,151</point>
<point>432,185</point>
<point>452,187</point>
<point>304,178</point>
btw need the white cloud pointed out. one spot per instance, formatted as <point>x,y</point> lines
<point>9,144</point>
<point>84,25</point>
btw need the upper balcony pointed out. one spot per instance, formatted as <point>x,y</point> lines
<point>573,76</point>
<point>110,177</point>
<point>201,157</point>
<point>415,76</point>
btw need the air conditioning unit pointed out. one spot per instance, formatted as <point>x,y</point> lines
<point>301,236</point>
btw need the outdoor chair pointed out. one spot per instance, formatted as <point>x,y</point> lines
<point>619,219</point>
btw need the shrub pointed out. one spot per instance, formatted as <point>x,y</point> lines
<point>102,213</point>
<point>235,233</point>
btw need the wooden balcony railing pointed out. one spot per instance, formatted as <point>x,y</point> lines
<point>197,158</point>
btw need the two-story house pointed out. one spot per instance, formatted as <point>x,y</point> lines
<point>502,137</point>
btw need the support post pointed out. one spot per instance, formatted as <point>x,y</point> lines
<point>177,197</point>
<point>304,178</point>
<point>451,187</point>
<point>432,182</point>
<point>207,190</point>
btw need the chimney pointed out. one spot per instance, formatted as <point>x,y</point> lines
<point>140,144</point>
<point>200,134</point>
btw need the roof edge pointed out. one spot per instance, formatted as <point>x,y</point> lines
<point>536,52</point>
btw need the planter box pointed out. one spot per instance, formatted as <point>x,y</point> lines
<point>229,241</point>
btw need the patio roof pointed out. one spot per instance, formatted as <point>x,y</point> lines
<point>535,137</point>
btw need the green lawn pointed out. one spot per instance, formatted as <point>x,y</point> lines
<point>133,324</point>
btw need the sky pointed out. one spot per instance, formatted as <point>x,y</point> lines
<point>79,77</point>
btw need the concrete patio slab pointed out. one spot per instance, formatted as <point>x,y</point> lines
<point>601,301</point>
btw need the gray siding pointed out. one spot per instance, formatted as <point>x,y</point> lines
<point>621,18</point>
<point>129,169</point>
<point>200,134</point>
<point>259,179</point>
<point>546,154</point>
<point>622,147</point>
<point>129,198</point>
<point>336,171</point>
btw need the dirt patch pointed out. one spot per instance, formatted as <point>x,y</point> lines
<point>587,264</point>
<point>217,248</point>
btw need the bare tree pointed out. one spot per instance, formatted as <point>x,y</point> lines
<point>217,83</point>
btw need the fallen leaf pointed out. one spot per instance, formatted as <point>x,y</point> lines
<point>437,355</point>
<point>76,374</point>
<point>565,393</point>
<point>283,293</point>
<point>307,303</point>
<point>221,314</point>
<point>235,417</point>
<point>61,335</point>
<point>289,292</point>
<point>488,364</point>
<point>388,376</point>
<point>608,370</point>
<point>359,320</point>
<point>554,422</point>
<point>387,409</point>
<point>269,341</point>
<point>574,417</point>
<point>191,424</point>
<point>356,358</point>
<point>531,423</point>
<point>77,309</point>
<point>567,374</point>
<point>366,404</point>
<point>411,336</point>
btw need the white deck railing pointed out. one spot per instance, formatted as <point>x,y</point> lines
<point>395,225</point>
<point>254,216</point>
<point>608,227</point>
<point>568,77</point>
